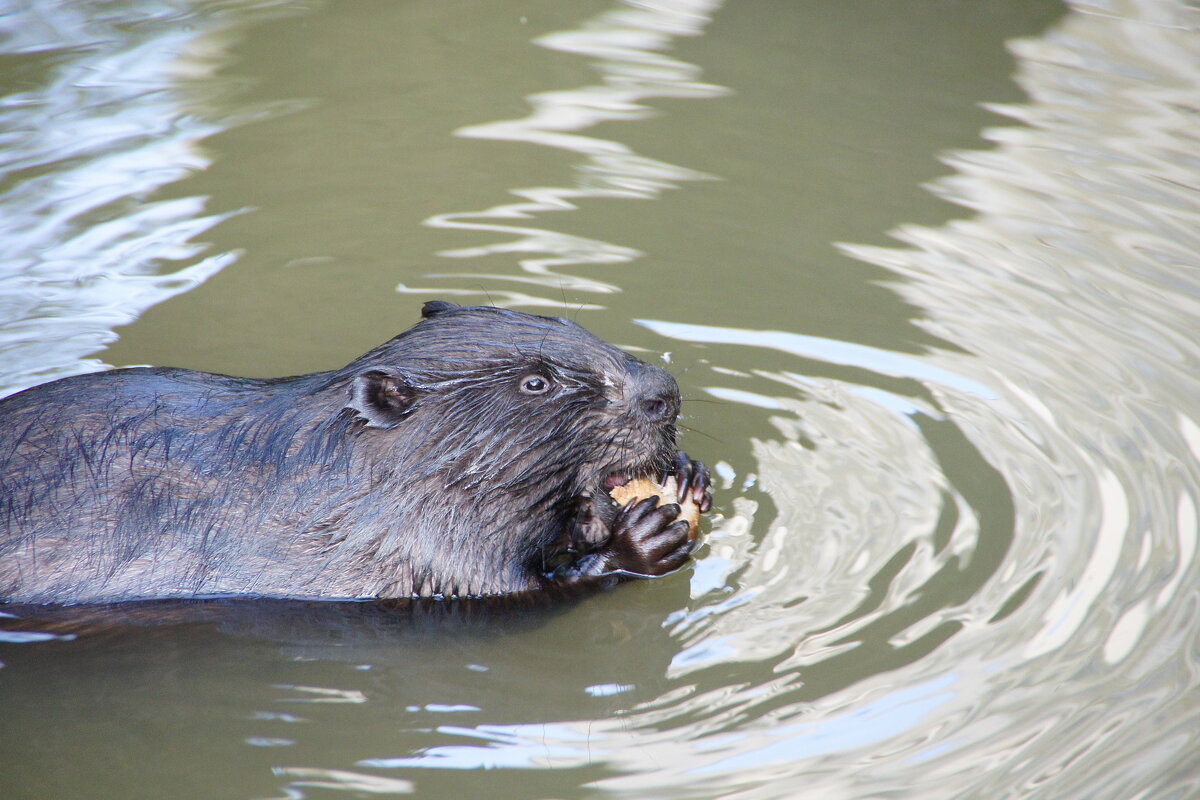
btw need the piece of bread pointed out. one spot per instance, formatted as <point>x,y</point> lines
<point>666,493</point>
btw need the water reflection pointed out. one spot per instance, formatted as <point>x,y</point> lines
<point>627,46</point>
<point>101,113</point>
<point>826,351</point>
<point>1075,379</point>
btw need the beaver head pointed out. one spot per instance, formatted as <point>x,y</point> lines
<point>482,429</point>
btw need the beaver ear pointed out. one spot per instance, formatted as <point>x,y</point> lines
<point>435,307</point>
<point>381,397</point>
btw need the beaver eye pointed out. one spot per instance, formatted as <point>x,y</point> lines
<point>534,384</point>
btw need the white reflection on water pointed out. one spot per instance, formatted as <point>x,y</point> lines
<point>339,780</point>
<point>523,746</point>
<point>626,45</point>
<point>880,719</point>
<point>830,351</point>
<point>1066,613</point>
<point>1073,293</point>
<point>505,746</point>
<point>105,120</point>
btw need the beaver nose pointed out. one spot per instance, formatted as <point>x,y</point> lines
<point>656,407</point>
<point>654,392</point>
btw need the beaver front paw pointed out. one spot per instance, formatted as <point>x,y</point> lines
<point>686,484</point>
<point>645,540</point>
<point>641,527</point>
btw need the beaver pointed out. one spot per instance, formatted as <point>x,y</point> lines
<point>469,456</point>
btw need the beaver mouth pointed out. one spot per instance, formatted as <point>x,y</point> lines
<point>615,479</point>
<point>652,465</point>
<point>650,472</point>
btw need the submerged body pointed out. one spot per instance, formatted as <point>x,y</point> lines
<point>469,456</point>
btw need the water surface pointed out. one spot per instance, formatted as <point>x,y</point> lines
<point>927,275</point>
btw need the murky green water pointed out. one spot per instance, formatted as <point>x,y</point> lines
<point>927,273</point>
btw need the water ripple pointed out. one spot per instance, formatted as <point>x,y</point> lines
<point>626,45</point>
<point>977,570</point>
<point>112,108</point>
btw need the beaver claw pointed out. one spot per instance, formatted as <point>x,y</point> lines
<point>691,477</point>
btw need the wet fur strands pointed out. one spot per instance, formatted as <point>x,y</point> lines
<point>469,456</point>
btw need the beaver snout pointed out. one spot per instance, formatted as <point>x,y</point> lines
<point>654,392</point>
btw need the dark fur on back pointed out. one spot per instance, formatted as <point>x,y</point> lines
<point>448,461</point>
